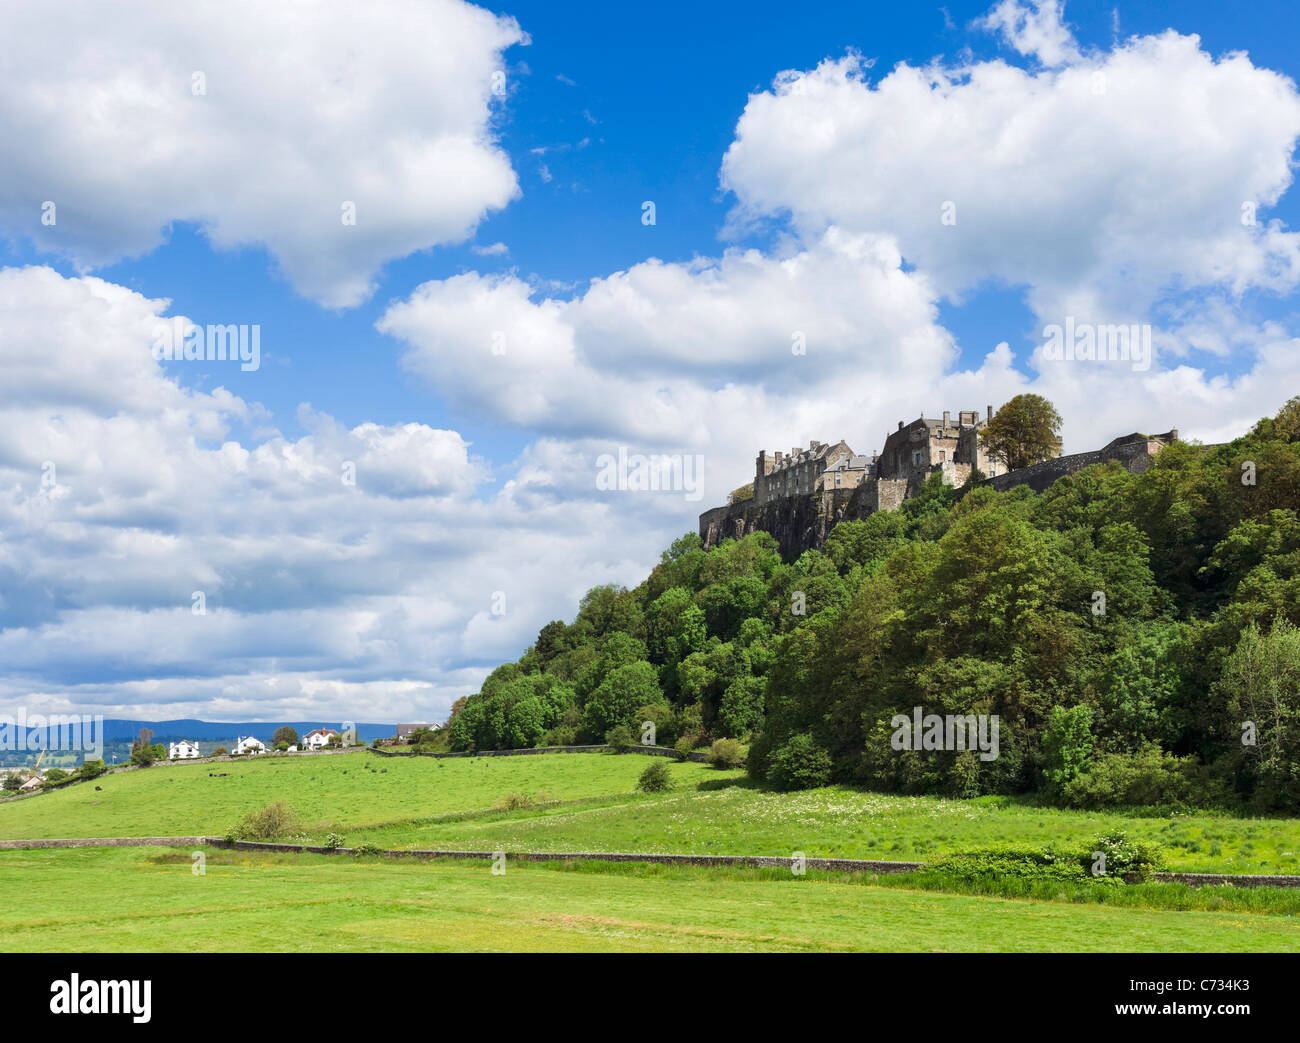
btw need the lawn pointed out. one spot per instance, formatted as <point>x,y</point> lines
<point>334,792</point>
<point>107,900</point>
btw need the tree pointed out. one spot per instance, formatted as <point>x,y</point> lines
<point>12,782</point>
<point>142,752</point>
<point>286,735</point>
<point>1023,432</point>
<point>619,696</point>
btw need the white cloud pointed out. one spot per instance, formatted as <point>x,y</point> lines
<point>1036,29</point>
<point>386,105</point>
<point>1098,186</point>
<point>319,593</point>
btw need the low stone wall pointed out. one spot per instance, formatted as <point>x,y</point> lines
<point>652,751</point>
<point>16,845</point>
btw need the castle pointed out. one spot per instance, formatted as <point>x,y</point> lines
<point>799,497</point>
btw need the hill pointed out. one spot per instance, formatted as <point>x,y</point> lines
<point>1119,639</point>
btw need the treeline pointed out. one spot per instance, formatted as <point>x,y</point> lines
<point>1134,634</point>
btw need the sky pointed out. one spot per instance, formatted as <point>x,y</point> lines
<point>483,250</point>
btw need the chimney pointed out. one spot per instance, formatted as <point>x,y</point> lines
<point>812,445</point>
<point>900,425</point>
<point>947,418</point>
<point>990,408</point>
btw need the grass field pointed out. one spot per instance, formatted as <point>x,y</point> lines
<point>836,822</point>
<point>328,792</point>
<point>106,900</point>
<point>125,899</point>
<point>431,803</point>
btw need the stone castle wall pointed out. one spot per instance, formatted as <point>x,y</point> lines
<point>803,522</point>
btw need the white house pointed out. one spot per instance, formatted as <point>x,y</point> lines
<point>248,745</point>
<point>318,737</point>
<point>183,750</point>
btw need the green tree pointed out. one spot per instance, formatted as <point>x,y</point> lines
<point>142,753</point>
<point>619,696</point>
<point>1023,432</point>
<point>286,735</point>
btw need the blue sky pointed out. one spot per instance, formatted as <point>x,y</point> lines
<point>776,210</point>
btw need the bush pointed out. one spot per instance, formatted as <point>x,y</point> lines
<point>55,775</point>
<point>368,849</point>
<point>621,739</point>
<point>684,746</point>
<point>656,778</point>
<point>513,802</point>
<point>1043,864</point>
<point>221,751</point>
<point>1124,856</point>
<point>333,841</point>
<point>1148,777</point>
<point>799,764</point>
<point>274,820</point>
<point>725,753</point>
<point>92,769</point>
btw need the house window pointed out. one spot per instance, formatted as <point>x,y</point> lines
<point>943,455</point>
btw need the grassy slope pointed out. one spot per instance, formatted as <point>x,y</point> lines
<point>372,799</point>
<point>328,792</point>
<point>132,899</point>
<point>843,823</point>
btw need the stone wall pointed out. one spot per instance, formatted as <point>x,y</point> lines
<point>652,751</point>
<point>1136,456</point>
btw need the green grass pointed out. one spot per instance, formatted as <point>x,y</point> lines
<point>593,806</point>
<point>108,900</point>
<point>837,822</point>
<point>328,793</point>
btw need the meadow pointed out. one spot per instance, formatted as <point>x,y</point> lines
<point>328,792</point>
<point>131,899</point>
<point>588,802</point>
<point>98,899</point>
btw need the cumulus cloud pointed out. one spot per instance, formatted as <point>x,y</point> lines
<point>1033,29</point>
<point>1097,185</point>
<point>353,570</point>
<point>258,122</point>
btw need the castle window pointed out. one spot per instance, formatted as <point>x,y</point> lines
<point>943,455</point>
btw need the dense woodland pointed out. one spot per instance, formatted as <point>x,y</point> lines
<point>1185,690</point>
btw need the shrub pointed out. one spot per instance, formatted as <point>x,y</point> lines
<point>621,739</point>
<point>1148,777</point>
<point>92,769</point>
<point>1042,864</point>
<point>684,746</point>
<point>725,753</point>
<point>513,801</point>
<point>333,841</point>
<point>274,820</point>
<point>55,775</point>
<point>799,764</point>
<point>656,778</point>
<point>221,751</point>
<point>1123,856</point>
<point>368,849</point>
